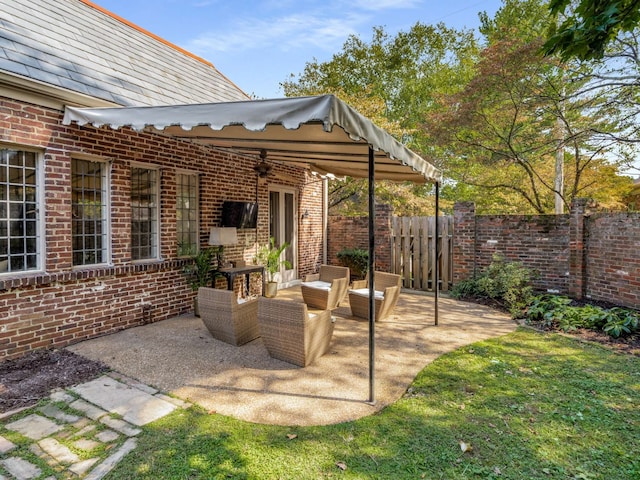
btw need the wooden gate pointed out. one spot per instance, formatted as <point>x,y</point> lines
<point>414,251</point>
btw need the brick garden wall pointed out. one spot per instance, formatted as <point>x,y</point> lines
<point>612,258</point>
<point>594,256</point>
<point>538,242</point>
<point>353,232</point>
<point>62,304</point>
<point>578,254</point>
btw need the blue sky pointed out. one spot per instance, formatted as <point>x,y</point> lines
<point>258,44</point>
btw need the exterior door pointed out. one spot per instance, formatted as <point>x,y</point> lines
<point>283,227</point>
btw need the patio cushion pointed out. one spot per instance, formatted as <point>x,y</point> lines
<point>319,284</point>
<point>364,292</point>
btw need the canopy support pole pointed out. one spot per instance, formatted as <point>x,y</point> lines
<point>436,288</point>
<point>371,271</point>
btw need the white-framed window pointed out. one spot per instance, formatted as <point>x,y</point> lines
<point>145,213</point>
<point>20,225</point>
<point>187,213</point>
<point>90,206</point>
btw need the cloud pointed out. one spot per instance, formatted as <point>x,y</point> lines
<point>376,5</point>
<point>284,33</point>
<point>296,28</point>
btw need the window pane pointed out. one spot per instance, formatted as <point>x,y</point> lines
<point>144,213</point>
<point>89,212</point>
<point>187,213</point>
<point>19,237</point>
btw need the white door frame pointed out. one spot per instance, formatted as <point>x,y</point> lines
<point>286,277</point>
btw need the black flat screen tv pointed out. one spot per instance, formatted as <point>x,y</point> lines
<point>240,214</point>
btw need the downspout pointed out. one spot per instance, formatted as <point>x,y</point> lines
<point>325,220</point>
<point>437,241</point>
<point>372,264</point>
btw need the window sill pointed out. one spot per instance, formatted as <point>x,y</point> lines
<point>39,278</point>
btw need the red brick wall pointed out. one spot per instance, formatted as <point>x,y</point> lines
<point>464,244</point>
<point>311,234</point>
<point>66,305</point>
<point>538,242</point>
<point>581,255</point>
<point>612,261</point>
<point>353,232</point>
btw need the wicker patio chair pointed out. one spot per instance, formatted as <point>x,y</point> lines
<point>387,291</point>
<point>325,289</point>
<point>293,334</point>
<point>226,319</point>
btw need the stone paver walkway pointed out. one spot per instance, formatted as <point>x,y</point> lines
<point>82,432</point>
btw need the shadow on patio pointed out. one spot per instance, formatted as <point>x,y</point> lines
<point>179,356</point>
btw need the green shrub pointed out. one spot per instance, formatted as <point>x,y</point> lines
<point>621,321</point>
<point>465,289</point>
<point>509,283</point>
<point>543,308</point>
<point>357,259</point>
<point>556,311</point>
<point>570,319</point>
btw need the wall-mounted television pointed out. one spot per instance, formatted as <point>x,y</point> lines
<point>240,214</point>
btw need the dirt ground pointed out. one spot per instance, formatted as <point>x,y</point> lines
<point>26,380</point>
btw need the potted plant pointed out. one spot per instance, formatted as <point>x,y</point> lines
<point>269,256</point>
<point>199,272</point>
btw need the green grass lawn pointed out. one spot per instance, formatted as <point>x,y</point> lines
<point>524,406</point>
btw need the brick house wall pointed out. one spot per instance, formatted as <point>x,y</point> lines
<point>311,230</point>
<point>62,304</point>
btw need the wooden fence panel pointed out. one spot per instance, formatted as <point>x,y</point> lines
<point>414,251</point>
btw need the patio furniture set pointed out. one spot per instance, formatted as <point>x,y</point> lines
<point>293,331</point>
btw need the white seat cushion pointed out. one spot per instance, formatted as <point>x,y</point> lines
<point>364,292</point>
<point>317,284</point>
<point>246,299</point>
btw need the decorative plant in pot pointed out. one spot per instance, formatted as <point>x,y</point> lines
<point>269,256</point>
<point>199,272</point>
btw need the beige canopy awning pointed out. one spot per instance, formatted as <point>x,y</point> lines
<point>322,133</point>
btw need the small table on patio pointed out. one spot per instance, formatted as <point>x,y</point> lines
<point>232,273</point>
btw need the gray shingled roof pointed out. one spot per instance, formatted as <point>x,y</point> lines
<point>69,44</point>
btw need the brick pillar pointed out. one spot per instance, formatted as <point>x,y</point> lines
<point>464,241</point>
<point>577,248</point>
<point>384,242</point>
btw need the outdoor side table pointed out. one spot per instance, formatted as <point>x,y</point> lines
<point>232,273</point>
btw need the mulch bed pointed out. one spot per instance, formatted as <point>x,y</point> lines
<point>26,380</point>
<point>629,344</point>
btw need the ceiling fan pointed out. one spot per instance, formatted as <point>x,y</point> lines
<point>263,168</point>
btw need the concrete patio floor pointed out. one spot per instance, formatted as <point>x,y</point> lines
<point>179,356</point>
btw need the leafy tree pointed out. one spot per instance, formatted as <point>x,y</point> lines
<point>500,132</point>
<point>605,35</point>
<point>522,116</point>
<point>501,121</point>
<point>590,27</point>
<point>404,71</point>
<point>393,81</point>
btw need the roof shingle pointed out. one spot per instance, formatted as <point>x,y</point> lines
<point>71,44</point>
